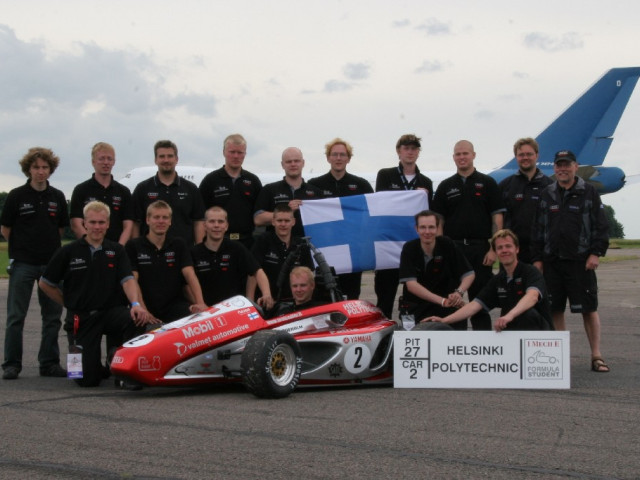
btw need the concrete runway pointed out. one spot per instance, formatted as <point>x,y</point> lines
<point>50,428</point>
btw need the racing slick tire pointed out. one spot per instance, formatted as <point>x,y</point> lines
<point>271,364</point>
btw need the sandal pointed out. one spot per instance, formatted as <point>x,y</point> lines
<point>598,365</point>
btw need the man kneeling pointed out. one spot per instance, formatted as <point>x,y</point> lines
<point>518,289</point>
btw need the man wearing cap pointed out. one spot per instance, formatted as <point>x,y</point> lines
<point>521,194</point>
<point>405,176</point>
<point>570,235</point>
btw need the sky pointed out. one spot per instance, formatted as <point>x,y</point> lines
<point>291,73</point>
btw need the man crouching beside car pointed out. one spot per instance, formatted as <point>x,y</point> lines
<point>93,272</point>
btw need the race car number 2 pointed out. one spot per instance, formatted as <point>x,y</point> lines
<point>357,358</point>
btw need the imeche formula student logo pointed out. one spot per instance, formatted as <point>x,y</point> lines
<point>543,359</point>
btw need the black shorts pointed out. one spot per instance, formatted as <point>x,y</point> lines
<point>569,279</point>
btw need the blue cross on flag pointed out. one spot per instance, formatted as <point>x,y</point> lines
<point>363,232</point>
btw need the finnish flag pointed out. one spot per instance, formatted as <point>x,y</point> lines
<point>363,232</point>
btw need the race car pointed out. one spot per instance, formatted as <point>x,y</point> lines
<point>343,342</point>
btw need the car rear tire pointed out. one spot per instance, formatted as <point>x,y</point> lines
<point>271,364</point>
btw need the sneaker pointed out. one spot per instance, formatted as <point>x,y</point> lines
<point>11,373</point>
<point>53,371</point>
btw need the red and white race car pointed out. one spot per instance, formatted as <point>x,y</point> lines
<point>340,343</point>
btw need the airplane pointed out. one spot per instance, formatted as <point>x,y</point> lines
<point>586,128</point>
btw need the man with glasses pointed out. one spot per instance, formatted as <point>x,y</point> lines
<point>339,183</point>
<point>521,194</point>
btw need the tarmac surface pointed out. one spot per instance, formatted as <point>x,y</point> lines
<point>50,428</point>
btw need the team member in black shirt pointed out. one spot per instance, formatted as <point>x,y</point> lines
<point>234,189</point>
<point>271,249</point>
<point>223,265</point>
<point>472,207</point>
<point>32,221</point>
<point>571,234</point>
<point>518,290</point>
<point>182,195</point>
<point>88,277</point>
<point>102,186</point>
<point>163,267</point>
<point>521,194</point>
<point>339,183</point>
<point>406,176</point>
<point>292,190</point>
<point>434,271</point>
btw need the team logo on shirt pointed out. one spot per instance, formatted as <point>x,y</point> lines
<point>52,208</point>
<point>153,196</point>
<point>479,189</point>
<point>170,258</point>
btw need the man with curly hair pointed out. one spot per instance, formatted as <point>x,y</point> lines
<point>33,221</point>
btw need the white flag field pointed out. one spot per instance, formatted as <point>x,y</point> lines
<point>363,232</point>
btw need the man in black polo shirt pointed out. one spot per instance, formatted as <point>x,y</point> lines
<point>32,221</point>
<point>339,183</point>
<point>182,195</point>
<point>472,207</point>
<point>163,266</point>
<point>102,186</point>
<point>518,290</point>
<point>88,277</point>
<point>434,271</point>
<point>271,249</point>
<point>406,176</point>
<point>521,194</point>
<point>234,189</point>
<point>223,265</point>
<point>292,190</point>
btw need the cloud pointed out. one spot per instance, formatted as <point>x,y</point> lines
<point>430,66</point>
<point>520,75</point>
<point>405,22</point>
<point>356,71</point>
<point>433,26</point>
<point>484,114</point>
<point>547,43</point>
<point>333,86</point>
<point>70,100</point>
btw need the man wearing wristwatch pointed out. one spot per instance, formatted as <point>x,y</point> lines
<point>434,271</point>
<point>89,276</point>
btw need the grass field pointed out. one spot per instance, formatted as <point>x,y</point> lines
<point>615,244</point>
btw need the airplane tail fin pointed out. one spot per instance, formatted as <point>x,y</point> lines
<point>586,127</point>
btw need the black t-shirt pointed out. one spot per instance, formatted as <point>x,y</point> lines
<point>159,271</point>
<point>223,274</point>
<point>116,196</point>
<point>91,279</point>
<point>238,197</point>
<point>182,195</point>
<point>441,275</point>
<point>348,185</point>
<point>281,192</point>
<point>394,179</point>
<point>468,205</point>
<point>505,293</point>
<point>35,219</point>
<point>271,252</point>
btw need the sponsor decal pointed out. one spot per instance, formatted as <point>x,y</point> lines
<point>254,315</point>
<point>198,329</point>
<point>335,370</point>
<point>181,348</point>
<point>144,365</point>
<point>356,307</point>
<point>117,360</point>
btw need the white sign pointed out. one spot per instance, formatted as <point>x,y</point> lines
<point>537,359</point>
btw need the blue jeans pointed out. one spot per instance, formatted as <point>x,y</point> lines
<point>21,281</point>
